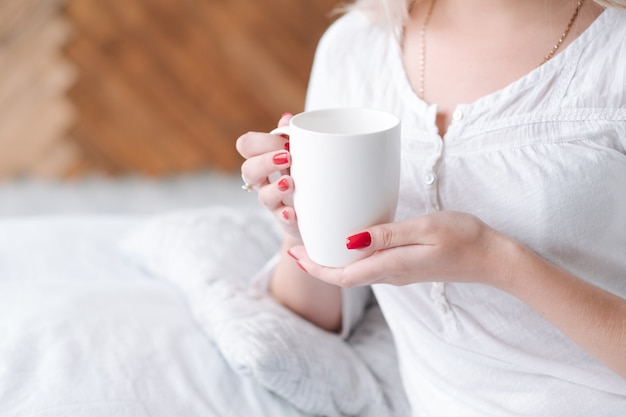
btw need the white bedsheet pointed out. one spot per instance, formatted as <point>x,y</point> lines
<point>85,332</point>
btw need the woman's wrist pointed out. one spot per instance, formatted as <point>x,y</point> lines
<point>518,270</point>
<point>504,262</point>
<point>312,299</point>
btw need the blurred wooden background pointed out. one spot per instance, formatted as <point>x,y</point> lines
<point>150,87</point>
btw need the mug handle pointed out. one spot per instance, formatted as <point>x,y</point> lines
<point>282,130</point>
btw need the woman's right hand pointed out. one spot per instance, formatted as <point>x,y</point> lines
<point>310,298</point>
<point>265,155</point>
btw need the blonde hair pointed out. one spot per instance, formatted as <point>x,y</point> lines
<point>395,12</point>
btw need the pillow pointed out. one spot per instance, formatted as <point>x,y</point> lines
<point>211,255</point>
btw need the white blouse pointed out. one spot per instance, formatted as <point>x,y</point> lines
<point>542,160</point>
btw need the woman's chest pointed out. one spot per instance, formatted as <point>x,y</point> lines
<point>544,187</point>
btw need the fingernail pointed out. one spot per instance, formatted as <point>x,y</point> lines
<point>285,215</point>
<point>287,114</point>
<point>297,261</point>
<point>359,241</point>
<point>286,146</point>
<point>284,136</point>
<point>301,267</point>
<point>280,158</point>
<point>283,184</point>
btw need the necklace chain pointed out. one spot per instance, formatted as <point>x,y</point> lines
<point>565,32</point>
<point>422,63</point>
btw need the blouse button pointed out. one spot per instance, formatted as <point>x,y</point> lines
<point>457,115</point>
<point>430,178</point>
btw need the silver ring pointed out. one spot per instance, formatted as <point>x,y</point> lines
<point>246,186</point>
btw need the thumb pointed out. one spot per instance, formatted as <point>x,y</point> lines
<point>378,237</point>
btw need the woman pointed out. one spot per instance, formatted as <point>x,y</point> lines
<point>506,263</point>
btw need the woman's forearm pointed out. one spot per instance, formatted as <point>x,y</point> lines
<point>312,299</point>
<point>593,318</point>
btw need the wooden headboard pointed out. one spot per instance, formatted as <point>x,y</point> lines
<point>150,87</point>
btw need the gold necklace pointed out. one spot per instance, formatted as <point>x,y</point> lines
<point>565,32</point>
<point>422,63</point>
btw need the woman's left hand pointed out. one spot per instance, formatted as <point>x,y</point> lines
<point>444,246</point>
<point>457,247</point>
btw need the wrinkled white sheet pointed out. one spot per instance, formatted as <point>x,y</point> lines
<point>84,333</point>
<point>211,254</point>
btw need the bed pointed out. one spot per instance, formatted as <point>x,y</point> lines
<point>159,315</point>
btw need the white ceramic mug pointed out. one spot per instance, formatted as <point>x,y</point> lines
<point>345,164</point>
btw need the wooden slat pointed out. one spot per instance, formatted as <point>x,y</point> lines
<point>114,113</point>
<point>23,66</point>
<point>58,161</point>
<point>147,86</point>
<point>18,18</point>
<point>34,111</point>
<point>201,72</point>
<point>52,120</point>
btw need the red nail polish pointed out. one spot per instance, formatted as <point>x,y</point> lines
<point>283,184</point>
<point>285,215</point>
<point>359,241</point>
<point>301,267</point>
<point>297,261</point>
<point>286,146</point>
<point>284,136</point>
<point>280,158</point>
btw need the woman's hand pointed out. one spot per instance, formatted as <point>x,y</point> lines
<point>265,155</point>
<point>444,246</point>
<point>268,155</point>
<point>458,247</point>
